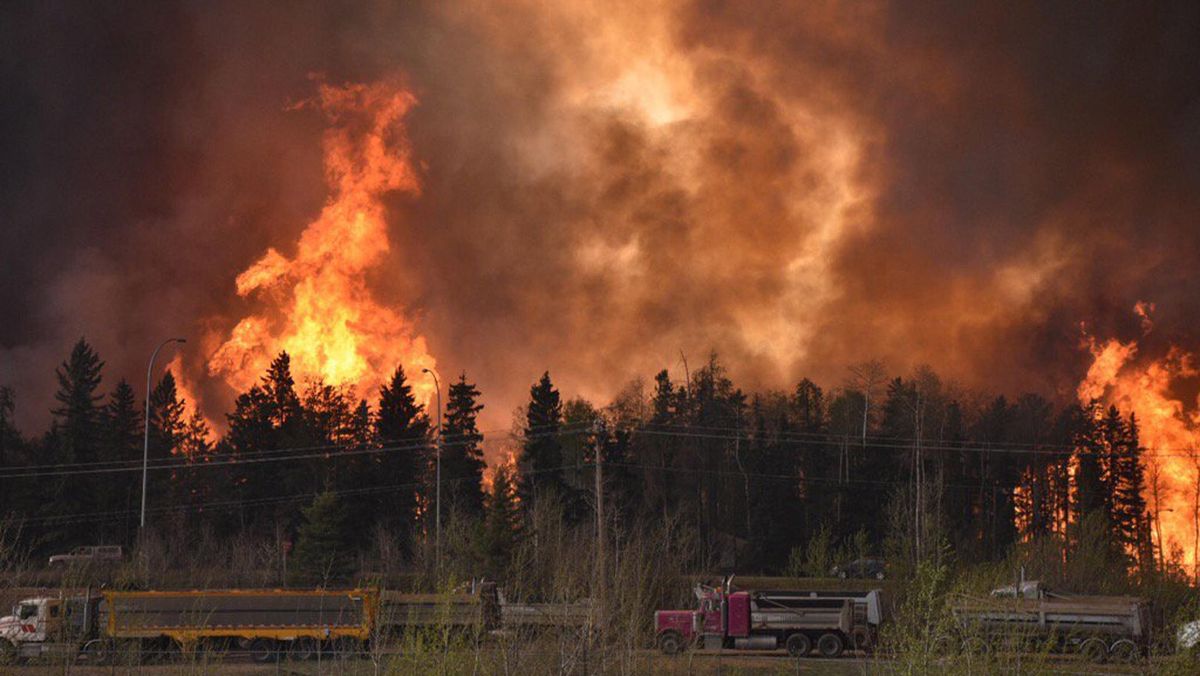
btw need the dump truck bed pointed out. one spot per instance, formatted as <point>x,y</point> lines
<point>1091,615</point>
<point>801,613</point>
<point>244,613</point>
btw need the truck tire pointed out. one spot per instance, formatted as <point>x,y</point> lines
<point>670,643</point>
<point>96,651</point>
<point>263,650</point>
<point>799,645</point>
<point>1095,650</point>
<point>860,639</point>
<point>1124,651</point>
<point>302,649</point>
<point>830,645</point>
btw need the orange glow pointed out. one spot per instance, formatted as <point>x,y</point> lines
<point>317,305</point>
<point>1170,430</point>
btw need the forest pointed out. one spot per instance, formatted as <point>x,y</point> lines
<point>909,468</point>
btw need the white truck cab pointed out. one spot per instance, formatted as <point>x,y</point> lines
<point>46,624</point>
<point>31,622</point>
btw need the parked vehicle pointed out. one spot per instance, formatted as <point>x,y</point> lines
<point>767,620</point>
<point>88,554</point>
<point>267,623</point>
<point>1100,628</point>
<point>861,568</point>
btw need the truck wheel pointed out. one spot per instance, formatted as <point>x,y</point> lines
<point>860,639</point>
<point>302,649</point>
<point>96,652</point>
<point>799,645</point>
<point>1094,650</point>
<point>262,650</point>
<point>830,645</point>
<point>670,643</point>
<point>1125,651</point>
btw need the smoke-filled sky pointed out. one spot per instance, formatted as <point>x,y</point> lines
<point>606,185</point>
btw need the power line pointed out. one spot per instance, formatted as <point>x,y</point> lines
<point>331,452</point>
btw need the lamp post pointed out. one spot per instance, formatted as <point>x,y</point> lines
<point>146,424</point>
<point>437,500</point>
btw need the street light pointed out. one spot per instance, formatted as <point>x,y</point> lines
<point>437,500</point>
<point>146,424</point>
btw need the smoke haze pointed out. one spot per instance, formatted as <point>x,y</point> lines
<point>605,185</point>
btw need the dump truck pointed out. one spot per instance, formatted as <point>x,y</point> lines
<point>1101,628</point>
<point>266,623</point>
<point>475,611</point>
<point>760,620</point>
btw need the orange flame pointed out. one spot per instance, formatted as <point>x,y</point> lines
<point>1170,432</point>
<point>318,306</point>
<point>185,390</point>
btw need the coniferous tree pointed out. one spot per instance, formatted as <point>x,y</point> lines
<point>168,425</point>
<point>502,525</point>
<point>10,447</point>
<point>402,429</point>
<point>122,442</point>
<point>322,555</point>
<point>1089,471</point>
<point>78,432</point>
<point>251,433</point>
<point>655,449</point>
<point>359,469</point>
<point>541,470</point>
<point>1132,516</point>
<point>167,490</point>
<point>280,390</point>
<point>462,453</point>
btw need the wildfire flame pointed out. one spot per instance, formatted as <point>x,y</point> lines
<point>317,305</point>
<point>1170,431</point>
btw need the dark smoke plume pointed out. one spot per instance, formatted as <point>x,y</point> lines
<point>797,186</point>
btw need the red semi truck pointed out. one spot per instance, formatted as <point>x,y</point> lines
<point>770,620</point>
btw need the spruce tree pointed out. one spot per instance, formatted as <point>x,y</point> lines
<point>168,429</point>
<point>540,465</point>
<point>1089,471</point>
<point>656,449</point>
<point>402,429</point>
<point>502,525</point>
<point>122,442</point>
<point>280,390</point>
<point>167,419</point>
<point>462,452</point>
<point>251,431</point>
<point>322,555</point>
<point>78,433</point>
<point>1133,519</point>
<point>10,443</point>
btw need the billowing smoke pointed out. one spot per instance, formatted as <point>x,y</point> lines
<point>605,185</point>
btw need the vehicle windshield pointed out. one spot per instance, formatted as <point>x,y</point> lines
<point>27,611</point>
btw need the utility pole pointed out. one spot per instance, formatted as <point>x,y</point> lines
<point>146,426</point>
<point>598,595</point>
<point>599,428</point>
<point>437,500</point>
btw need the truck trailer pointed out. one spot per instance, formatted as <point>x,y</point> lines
<point>1100,628</point>
<point>266,623</point>
<point>770,620</point>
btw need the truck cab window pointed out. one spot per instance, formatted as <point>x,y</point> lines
<point>53,611</point>
<point>27,611</point>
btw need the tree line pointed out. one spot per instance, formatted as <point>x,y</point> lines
<point>906,467</point>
